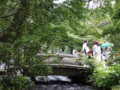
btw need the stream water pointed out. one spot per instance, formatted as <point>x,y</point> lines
<point>63,87</point>
<point>59,83</point>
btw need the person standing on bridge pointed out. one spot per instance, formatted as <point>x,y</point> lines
<point>97,52</point>
<point>85,48</point>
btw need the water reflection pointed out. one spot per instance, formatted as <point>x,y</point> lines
<point>54,82</point>
<point>63,87</point>
<point>52,78</point>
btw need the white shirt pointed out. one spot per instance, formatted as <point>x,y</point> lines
<point>96,50</point>
<point>85,47</point>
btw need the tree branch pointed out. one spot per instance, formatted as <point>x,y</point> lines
<point>14,31</point>
<point>7,15</point>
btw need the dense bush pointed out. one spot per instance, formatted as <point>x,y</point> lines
<point>106,76</point>
<point>85,61</point>
<point>17,83</point>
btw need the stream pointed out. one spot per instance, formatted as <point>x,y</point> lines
<point>59,83</point>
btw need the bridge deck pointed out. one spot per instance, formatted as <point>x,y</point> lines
<point>68,66</point>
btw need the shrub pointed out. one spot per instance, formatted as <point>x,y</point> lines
<point>17,83</point>
<point>84,60</point>
<point>106,77</point>
<point>117,87</point>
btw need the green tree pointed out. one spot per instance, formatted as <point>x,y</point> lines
<point>28,26</point>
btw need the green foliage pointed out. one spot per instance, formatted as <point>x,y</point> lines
<point>41,69</point>
<point>117,87</point>
<point>17,83</point>
<point>84,60</point>
<point>106,76</point>
<point>28,27</point>
<point>112,32</point>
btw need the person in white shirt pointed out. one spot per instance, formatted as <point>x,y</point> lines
<point>85,48</point>
<point>97,51</point>
<point>107,53</point>
<point>75,52</point>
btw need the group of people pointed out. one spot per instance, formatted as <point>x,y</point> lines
<point>96,51</point>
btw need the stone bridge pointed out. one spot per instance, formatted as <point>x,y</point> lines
<point>61,58</point>
<point>70,70</point>
<point>66,64</point>
<point>78,73</point>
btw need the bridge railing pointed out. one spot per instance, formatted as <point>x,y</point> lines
<point>58,55</point>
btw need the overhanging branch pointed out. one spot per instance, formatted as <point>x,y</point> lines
<point>18,20</point>
<point>7,15</point>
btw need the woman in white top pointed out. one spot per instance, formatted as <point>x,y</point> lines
<point>85,48</point>
<point>97,51</point>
